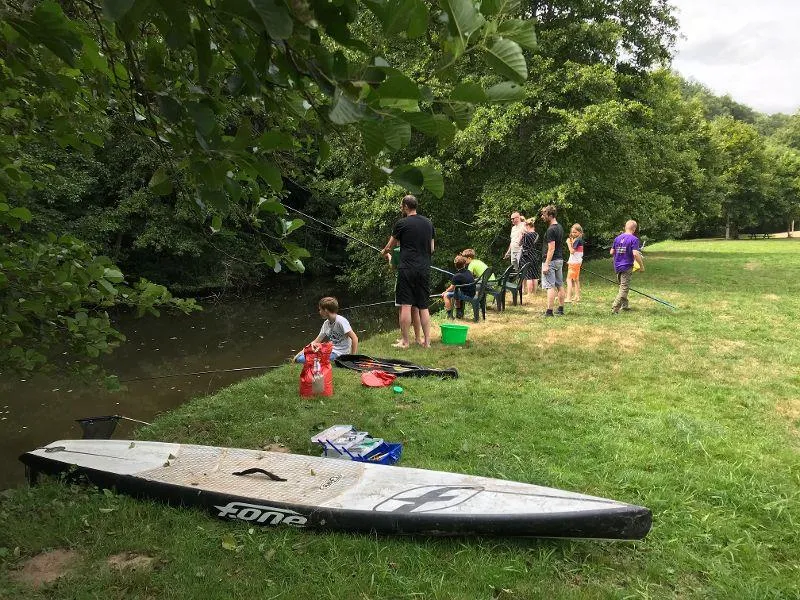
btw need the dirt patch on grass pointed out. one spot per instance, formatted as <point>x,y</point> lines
<point>743,370</point>
<point>771,297</point>
<point>752,265</point>
<point>520,319</point>
<point>276,448</point>
<point>45,568</point>
<point>789,409</point>
<point>130,561</point>
<point>727,347</point>
<point>592,337</point>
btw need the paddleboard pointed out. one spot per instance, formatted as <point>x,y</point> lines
<point>271,488</point>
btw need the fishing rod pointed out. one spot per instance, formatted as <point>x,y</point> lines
<point>336,229</point>
<point>664,302</point>
<point>199,373</point>
<point>351,237</point>
<point>213,371</point>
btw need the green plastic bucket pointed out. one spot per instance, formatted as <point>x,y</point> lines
<point>453,333</point>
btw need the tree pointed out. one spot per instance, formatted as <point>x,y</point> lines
<point>233,99</point>
<point>784,186</point>
<point>742,164</point>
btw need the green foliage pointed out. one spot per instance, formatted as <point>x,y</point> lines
<point>604,135</point>
<point>268,59</point>
<point>186,115</point>
<point>54,296</point>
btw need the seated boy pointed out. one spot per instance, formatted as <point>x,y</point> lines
<point>335,329</point>
<point>474,265</point>
<point>462,288</point>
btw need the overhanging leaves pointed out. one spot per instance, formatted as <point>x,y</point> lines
<point>468,92</point>
<point>203,117</point>
<point>421,121</point>
<point>522,32</point>
<point>507,91</point>
<point>51,28</point>
<point>409,177</point>
<point>270,173</point>
<point>202,46</point>
<point>409,16</point>
<point>396,133</point>
<point>415,179</point>
<point>275,17</point>
<point>505,57</point>
<point>399,86</point>
<point>344,110</point>
<point>275,140</point>
<point>433,180</point>
<point>116,9</point>
<point>463,19</point>
<point>160,183</point>
<point>372,136</point>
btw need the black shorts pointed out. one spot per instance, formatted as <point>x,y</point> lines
<point>413,288</point>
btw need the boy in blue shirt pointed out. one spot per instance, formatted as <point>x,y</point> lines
<point>462,288</point>
<point>625,251</point>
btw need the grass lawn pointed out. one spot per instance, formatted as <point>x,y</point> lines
<point>694,414</point>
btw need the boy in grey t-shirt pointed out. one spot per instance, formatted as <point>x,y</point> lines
<point>335,329</point>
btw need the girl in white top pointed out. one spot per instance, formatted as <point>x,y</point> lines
<point>575,245</point>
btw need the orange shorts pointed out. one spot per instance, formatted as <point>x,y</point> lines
<point>573,271</point>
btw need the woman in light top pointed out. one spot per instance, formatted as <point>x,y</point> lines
<point>575,245</point>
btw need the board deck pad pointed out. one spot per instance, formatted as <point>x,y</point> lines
<point>309,491</point>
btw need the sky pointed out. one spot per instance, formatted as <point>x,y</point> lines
<point>743,48</point>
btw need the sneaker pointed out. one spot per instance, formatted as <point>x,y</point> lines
<point>614,311</point>
<point>548,313</point>
<point>560,311</point>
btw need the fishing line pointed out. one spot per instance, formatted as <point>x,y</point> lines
<point>200,373</point>
<point>336,229</point>
<point>366,305</point>
<point>214,371</point>
<point>349,236</point>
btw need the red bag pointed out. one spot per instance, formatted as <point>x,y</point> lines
<point>377,378</point>
<point>316,378</point>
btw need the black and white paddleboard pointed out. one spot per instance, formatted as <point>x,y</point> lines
<point>271,488</point>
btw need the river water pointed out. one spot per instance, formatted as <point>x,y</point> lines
<point>259,331</point>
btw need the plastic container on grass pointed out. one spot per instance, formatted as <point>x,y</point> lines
<point>345,442</point>
<point>454,334</point>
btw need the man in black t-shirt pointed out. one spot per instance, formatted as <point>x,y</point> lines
<point>553,253</point>
<point>415,235</point>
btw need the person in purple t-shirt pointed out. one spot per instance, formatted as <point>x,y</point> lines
<point>625,251</point>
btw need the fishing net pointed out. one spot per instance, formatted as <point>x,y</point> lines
<point>98,428</point>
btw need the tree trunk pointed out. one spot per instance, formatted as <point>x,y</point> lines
<point>791,229</point>
<point>728,229</point>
